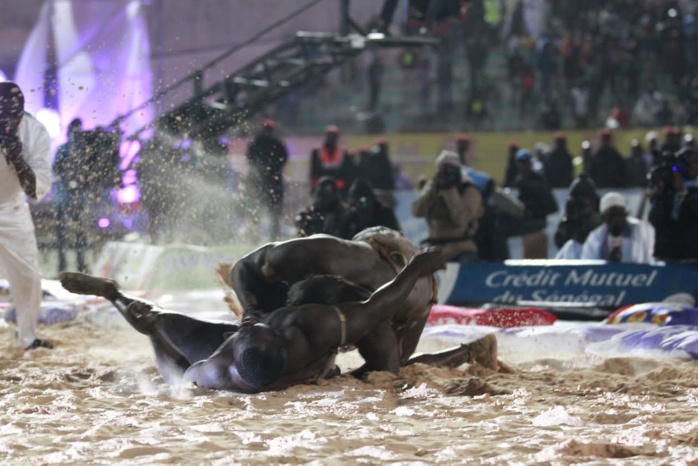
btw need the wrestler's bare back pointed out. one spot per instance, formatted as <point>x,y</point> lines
<point>297,259</point>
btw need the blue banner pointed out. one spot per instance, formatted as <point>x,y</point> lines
<point>607,285</point>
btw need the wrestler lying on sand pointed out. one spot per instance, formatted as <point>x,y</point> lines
<point>292,345</point>
<point>264,280</point>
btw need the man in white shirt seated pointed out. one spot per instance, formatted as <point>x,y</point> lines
<point>620,238</point>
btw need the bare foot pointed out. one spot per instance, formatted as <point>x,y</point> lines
<point>141,316</point>
<point>484,352</point>
<point>81,283</point>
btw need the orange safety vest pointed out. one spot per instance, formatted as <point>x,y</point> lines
<point>331,160</point>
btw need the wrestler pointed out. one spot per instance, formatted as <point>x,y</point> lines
<point>261,281</point>
<point>293,344</point>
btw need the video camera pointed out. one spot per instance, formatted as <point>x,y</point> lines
<point>448,177</point>
<point>669,163</point>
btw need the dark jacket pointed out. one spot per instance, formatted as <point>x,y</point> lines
<point>558,168</point>
<point>535,194</point>
<point>608,168</point>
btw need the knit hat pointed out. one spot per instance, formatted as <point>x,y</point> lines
<point>612,199</point>
<point>447,157</point>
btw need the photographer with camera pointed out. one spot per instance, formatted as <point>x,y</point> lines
<point>326,214</point>
<point>365,210</point>
<point>452,207</point>
<point>674,200</point>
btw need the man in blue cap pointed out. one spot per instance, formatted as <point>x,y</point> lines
<point>537,197</point>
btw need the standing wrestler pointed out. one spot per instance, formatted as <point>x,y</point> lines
<point>291,345</point>
<point>25,171</point>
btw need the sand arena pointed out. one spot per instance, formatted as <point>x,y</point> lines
<point>97,398</point>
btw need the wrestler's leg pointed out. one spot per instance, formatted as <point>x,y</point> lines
<point>178,340</point>
<point>482,351</point>
<point>409,339</point>
<point>380,351</point>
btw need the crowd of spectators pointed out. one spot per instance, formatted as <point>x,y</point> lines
<point>472,218</point>
<point>582,65</point>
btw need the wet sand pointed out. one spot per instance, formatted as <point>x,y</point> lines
<point>97,398</point>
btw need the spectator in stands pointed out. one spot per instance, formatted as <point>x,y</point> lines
<point>620,238</point>
<point>550,118</point>
<point>607,166</point>
<point>330,160</point>
<point>477,47</point>
<point>511,171</point>
<point>426,82</point>
<point>452,207</point>
<point>558,164</point>
<point>375,78</point>
<point>71,200</point>
<point>477,111</point>
<point>266,156</point>
<point>636,166</point>
<point>580,218</point>
<point>619,117</point>
<point>545,65</point>
<point>537,197</point>
<point>365,210</point>
<point>522,82</point>
<point>327,212</point>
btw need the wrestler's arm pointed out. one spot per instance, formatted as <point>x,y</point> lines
<point>248,280</point>
<point>321,325</point>
<point>364,316</point>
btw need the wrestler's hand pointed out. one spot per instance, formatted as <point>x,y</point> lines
<point>429,260</point>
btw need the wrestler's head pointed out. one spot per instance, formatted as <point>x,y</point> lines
<point>259,355</point>
<point>11,106</point>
